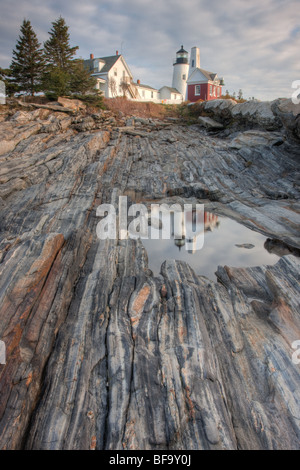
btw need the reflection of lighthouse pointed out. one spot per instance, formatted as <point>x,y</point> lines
<point>178,225</point>
<point>187,225</point>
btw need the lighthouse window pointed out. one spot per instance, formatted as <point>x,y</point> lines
<point>184,77</point>
<point>197,89</point>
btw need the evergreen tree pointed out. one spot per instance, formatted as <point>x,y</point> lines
<point>81,81</point>
<point>59,56</point>
<point>28,62</point>
<point>4,73</point>
<point>57,49</point>
<point>56,83</point>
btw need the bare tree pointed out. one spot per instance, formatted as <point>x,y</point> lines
<point>124,87</point>
<point>112,86</point>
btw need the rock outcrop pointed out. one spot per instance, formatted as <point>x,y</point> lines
<point>270,116</point>
<point>102,354</point>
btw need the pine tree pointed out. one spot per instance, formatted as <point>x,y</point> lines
<point>57,49</point>
<point>28,62</point>
<point>59,56</point>
<point>56,83</point>
<point>81,81</point>
<point>83,86</point>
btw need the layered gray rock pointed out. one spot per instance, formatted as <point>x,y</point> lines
<point>269,116</point>
<point>256,113</point>
<point>101,354</point>
<point>209,123</point>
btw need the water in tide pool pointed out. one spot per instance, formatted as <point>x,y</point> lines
<point>221,237</point>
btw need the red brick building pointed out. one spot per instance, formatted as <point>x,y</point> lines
<point>203,85</point>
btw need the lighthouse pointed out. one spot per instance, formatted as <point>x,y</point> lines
<point>180,71</point>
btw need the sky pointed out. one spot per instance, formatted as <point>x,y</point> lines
<point>254,45</point>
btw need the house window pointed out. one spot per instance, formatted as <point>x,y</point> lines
<point>193,63</point>
<point>210,90</point>
<point>175,96</point>
<point>184,76</point>
<point>197,90</point>
<point>151,94</point>
<point>115,72</point>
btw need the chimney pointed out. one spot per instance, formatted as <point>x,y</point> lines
<point>194,59</point>
<point>91,56</point>
<point>117,52</point>
<point>138,82</point>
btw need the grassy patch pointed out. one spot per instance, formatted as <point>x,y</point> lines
<point>140,109</point>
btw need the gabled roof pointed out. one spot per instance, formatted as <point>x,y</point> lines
<point>109,62</point>
<point>140,85</point>
<point>210,76</point>
<point>172,90</point>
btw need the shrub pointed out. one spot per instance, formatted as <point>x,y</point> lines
<point>94,100</point>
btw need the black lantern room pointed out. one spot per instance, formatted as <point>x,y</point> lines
<point>182,56</point>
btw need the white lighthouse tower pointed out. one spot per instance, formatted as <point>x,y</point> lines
<point>180,71</point>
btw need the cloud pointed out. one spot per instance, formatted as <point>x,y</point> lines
<point>254,45</point>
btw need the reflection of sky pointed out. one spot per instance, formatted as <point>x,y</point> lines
<point>219,249</point>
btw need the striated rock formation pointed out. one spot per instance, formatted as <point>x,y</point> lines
<point>270,116</point>
<point>101,354</point>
